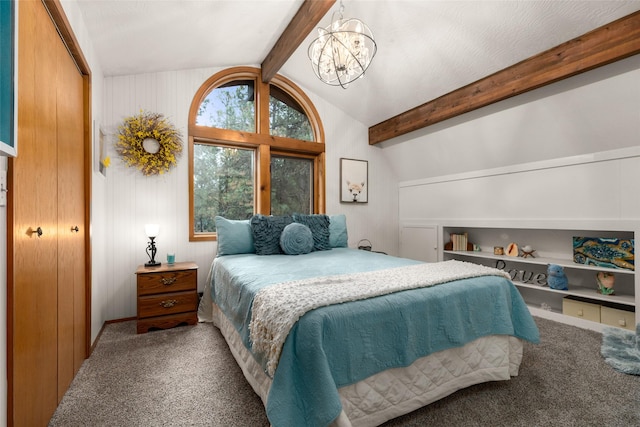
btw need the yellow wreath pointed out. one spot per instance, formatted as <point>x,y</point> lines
<point>149,142</point>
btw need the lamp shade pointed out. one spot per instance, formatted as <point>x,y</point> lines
<point>151,230</point>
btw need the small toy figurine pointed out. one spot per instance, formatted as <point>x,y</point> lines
<point>556,279</point>
<point>605,282</point>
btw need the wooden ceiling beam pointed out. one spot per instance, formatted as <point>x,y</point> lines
<point>609,43</point>
<point>304,21</point>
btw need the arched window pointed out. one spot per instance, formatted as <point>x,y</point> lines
<point>254,147</point>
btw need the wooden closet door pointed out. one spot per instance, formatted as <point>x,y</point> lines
<point>47,295</point>
<point>71,226</point>
<point>34,195</point>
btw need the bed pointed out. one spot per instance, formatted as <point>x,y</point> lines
<point>348,337</point>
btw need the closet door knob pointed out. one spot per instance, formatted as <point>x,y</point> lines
<point>76,229</point>
<point>37,231</point>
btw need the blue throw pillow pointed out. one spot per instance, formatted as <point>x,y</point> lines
<point>338,237</point>
<point>296,239</point>
<point>234,236</point>
<point>319,225</point>
<point>266,232</point>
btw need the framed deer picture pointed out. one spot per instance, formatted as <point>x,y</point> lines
<point>354,181</point>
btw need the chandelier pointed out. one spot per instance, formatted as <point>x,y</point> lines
<point>343,51</point>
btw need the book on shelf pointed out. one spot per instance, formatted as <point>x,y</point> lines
<point>459,241</point>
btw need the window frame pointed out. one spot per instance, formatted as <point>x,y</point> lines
<point>261,141</point>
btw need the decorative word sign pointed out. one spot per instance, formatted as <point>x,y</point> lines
<point>522,275</point>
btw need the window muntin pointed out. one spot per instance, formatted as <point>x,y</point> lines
<point>229,106</point>
<point>291,185</point>
<point>223,184</point>
<point>261,143</point>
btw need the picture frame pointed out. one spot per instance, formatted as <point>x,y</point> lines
<point>607,252</point>
<point>103,152</point>
<point>99,149</point>
<point>354,181</point>
<point>8,82</point>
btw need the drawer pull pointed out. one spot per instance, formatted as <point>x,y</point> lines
<point>168,282</point>
<point>169,303</point>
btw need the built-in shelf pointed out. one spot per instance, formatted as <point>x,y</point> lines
<point>553,246</point>
<point>539,261</point>
<point>584,293</point>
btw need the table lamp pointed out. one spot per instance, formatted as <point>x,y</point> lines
<point>152,230</point>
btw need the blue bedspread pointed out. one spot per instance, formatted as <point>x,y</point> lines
<point>334,346</point>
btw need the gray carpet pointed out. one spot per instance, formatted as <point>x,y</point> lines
<point>187,377</point>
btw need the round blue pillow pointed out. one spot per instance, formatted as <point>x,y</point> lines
<point>296,239</point>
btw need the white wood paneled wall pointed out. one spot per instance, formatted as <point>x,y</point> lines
<point>599,186</point>
<point>133,200</point>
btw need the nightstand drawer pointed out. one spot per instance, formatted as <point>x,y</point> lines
<point>619,318</point>
<point>167,281</point>
<point>160,305</point>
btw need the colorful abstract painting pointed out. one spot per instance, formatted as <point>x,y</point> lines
<point>604,252</point>
<point>7,83</point>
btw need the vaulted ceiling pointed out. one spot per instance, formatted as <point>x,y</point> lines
<point>426,48</point>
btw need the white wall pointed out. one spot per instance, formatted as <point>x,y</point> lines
<point>575,118</point>
<point>133,199</point>
<point>597,186</point>
<point>568,151</point>
<point>376,220</point>
<point>591,112</point>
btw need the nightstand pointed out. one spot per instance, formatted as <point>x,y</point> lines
<point>167,295</point>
